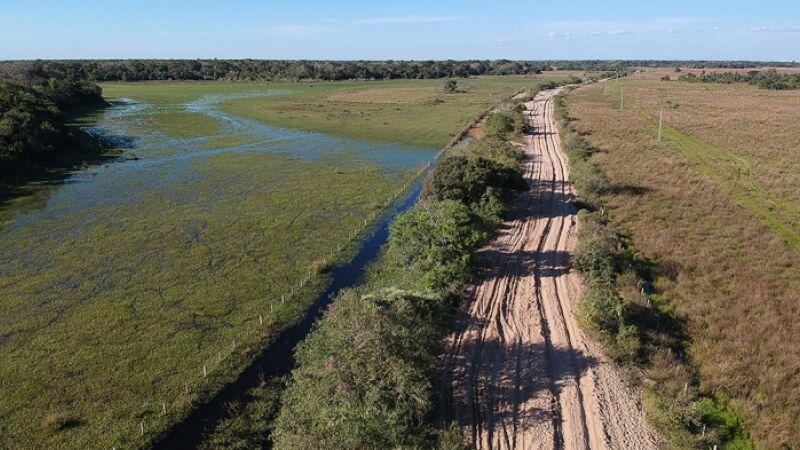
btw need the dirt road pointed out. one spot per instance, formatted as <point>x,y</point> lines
<point>519,373</point>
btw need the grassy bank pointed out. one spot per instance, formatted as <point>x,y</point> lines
<point>643,330</point>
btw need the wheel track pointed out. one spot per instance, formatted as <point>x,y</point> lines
<point>519,373</point>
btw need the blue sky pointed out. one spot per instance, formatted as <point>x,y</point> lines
<point>576,29</point>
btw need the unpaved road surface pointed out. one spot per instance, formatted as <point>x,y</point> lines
<point>519,373</point>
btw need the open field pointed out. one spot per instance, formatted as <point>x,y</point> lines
<point>385,110</point>
<point>121,285</point>
<point>715,204</point>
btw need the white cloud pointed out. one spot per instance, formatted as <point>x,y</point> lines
<point>406,20</point>
<point>774,29</point>
<point>568,28</point>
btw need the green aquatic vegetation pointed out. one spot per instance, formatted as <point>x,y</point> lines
<point>178,124</point>
<point>121,288</point>
<point>127,309</point>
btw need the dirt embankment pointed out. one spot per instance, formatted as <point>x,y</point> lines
<point>519,373</point>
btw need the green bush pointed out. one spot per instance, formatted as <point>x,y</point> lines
<point>602,310</point>
<point>597,252</point>
<point>452,438</point>
<point>436,239</point>
<point>503,153</point>
<point>467,180</point>
<point>503,125</point>
<point>361,380</point>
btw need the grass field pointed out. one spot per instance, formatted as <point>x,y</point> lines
<point>716,205</point>
<point>415,112</point>
<point>120,286</point>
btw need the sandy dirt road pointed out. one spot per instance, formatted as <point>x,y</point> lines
<point>519,373</point>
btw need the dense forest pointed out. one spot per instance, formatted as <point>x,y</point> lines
<point>768,79</point>
<point>33,129</point>
<point>268,70</point>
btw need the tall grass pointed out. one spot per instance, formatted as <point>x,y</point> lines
<point>638,328</point>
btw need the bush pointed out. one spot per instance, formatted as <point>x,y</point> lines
<point>596,254</point>
<point>452,438</point>
<point>502,125</point>
<point>467,179</point>
<point>361,380</point>
<point>450,87</point>
<point>436,239</point>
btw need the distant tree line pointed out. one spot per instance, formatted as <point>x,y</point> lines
<point>33,129</point>
<point>768,79</point>
<point>269,70</point>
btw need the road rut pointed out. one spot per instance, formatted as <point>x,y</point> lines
<point>519,373</point>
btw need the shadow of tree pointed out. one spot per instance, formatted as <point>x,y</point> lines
<point>495,381</point>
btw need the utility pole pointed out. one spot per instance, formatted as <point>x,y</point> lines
<point>660,123</point>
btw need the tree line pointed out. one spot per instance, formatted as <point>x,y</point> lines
<point>275,70</point>
<point>768,79</point>
<point>33,127</point>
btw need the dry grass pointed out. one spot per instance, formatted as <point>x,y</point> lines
<point>57,421</point>
<point>731,274</point>
<point>657,73</point>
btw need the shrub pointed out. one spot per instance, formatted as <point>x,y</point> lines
<point>502,125</point>
<point>596,254</point>
<point>436,238</point>
<point>452,438</point>
<point>602,310</point>
<point>450,87</point>
<point>467,180</point>
<point>361,380</point>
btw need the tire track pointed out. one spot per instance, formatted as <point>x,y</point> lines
<point>519,373</point>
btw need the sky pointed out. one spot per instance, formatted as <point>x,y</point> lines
<point>444,29</point>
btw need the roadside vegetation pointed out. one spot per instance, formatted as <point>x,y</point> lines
<point>363,376</point>
<point>711,228</point>
<point>638,328</point>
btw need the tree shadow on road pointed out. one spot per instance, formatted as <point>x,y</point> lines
<point>495,384</point>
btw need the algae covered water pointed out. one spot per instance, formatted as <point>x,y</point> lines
<point>133,288</point>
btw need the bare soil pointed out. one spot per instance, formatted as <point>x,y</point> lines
<point>519,373</point>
